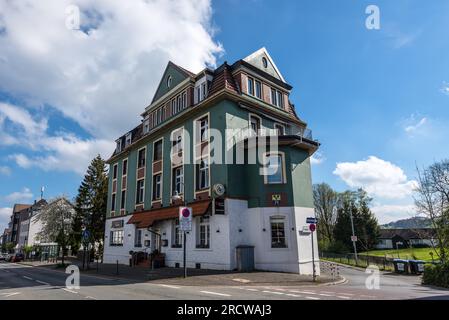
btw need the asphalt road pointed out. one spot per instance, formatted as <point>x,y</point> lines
<point>24,282</point>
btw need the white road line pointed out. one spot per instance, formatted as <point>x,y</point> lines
<point>68,290</point>
<point>273,292</point>
<point>313,298</point>
<point>293,295</point>
<point>343,297</point>
<point>216,293</point>
<point>346,294</point>
<point>251,289</point>
<point>169,286</point>
<point>325,294</point>
<point>280,289</point>
<point>43,282</point>
<point>28,278</point>
<point>89,297</point>
<point>304,292</point>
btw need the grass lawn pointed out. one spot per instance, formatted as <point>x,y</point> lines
<point>410,253</point>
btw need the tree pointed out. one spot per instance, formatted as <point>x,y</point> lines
<point>432,200</point>
<point>91,204</point>
<point>325,200</point>
<point>366,226</point>
<point>57,219</point>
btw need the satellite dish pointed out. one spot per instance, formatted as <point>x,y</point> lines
<point>219,189</point>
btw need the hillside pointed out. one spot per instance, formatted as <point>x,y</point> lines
<point>410,223</point>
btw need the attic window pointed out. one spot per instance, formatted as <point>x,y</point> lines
<point>169,80</point>
<point>264,62</point>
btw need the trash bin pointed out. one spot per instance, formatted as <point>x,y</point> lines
<point>416,266</point>
<point>245,258</point>
<point>401,266</point>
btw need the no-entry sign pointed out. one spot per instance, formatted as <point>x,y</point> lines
<point>312,227</point>
<point>185,218</point>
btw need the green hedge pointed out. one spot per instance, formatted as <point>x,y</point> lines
<point>437,275</point>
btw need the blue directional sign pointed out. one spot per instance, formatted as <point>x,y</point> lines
<point>311,220</point>
<point>86,234</point>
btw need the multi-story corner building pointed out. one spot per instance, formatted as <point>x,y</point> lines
<point>195,145</point>
<point>29,225</point>
<point>14,224</point>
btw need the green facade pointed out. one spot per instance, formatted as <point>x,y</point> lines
<point>241,180</point>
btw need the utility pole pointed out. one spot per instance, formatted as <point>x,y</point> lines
<point>353,237</point>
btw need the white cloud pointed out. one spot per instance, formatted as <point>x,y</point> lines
<point>19,196</point>
<point>104,75</point>
<point>378,177</point>
<point>317,158</point>
<point>5,215</point>
<point>414,127</point>
<point>392,212</point>
<point>61,152</point>
<point>445,88</point>
<point>4,170</point>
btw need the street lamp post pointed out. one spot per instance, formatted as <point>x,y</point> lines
<point>178,197</point>
<point>353,238</point>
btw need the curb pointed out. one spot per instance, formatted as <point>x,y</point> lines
<point>341,281</point>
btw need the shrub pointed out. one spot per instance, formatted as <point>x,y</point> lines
<point>436,274</point>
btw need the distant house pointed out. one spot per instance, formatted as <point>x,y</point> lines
<point>28,226</point>
<point>405,238</point>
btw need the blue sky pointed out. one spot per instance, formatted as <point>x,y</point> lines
<point>377,100</point>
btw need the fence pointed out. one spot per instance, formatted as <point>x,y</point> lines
<point>331,269</point>
<point>384,263</point>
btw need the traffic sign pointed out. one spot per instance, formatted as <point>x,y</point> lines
<point>354,238</point>
<point>312,227</point>
<point>185,218</point>
<point>312,220</point>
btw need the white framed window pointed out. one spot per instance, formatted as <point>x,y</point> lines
<point>203,129</point>
<point>254,125</point>
<point>184,100</point>
<point>140,191</point>
<point>177,235</point>
<point>258,89</point>
<point>123,200</point>
<point>141,158</point>
<point>116,238</point>
<point>178,103</point>
<point>146,125</point>
<point>157,186</point>
<point>114,172</point>
<point>275,168</point>
<point>113,202</point>
<point>128,139</point>
<point>203,90</point>
<point>177,142</point>
<point>278,239</point>
<point>203,233</point>
<point>280,99</point>
<point>124,167</point>
<point>280,129</point>
<point>202,174</point>
<point>173,107</point>
<point>250,88</point>
<point>138,238</point>
<point>178,181</point>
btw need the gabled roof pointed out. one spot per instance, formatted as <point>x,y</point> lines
<point>178,75</point>
<point>19,207</point>
<point>407,234</point>
<point>255,59</point>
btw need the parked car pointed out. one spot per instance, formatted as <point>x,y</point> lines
<point>17,257</point>
<point>2,256</point>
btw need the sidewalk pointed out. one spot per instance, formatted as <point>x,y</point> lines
<point>196,277</point>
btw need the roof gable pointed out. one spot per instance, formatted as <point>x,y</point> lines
<point>177,75</point>
<point>257,59</point>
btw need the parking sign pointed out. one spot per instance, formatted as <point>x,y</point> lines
<point>185,218</point>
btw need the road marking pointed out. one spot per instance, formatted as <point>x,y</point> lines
<point>241,280</point>
<point>216,293</point>
<point>251,289</point>
<point>43,282</point>
<point>304,292</point>
<point>89,297</point>
<point>169,286</point>
<point>293,295</point>
<point>313,298</point>
<point>346,294</point>
<point>325,294</point>
<point>280,289</point>
<point>343,297</point>
<point>273,292</point>
<point>68,290</point>
<point>10,294</point>
<point>28,278</point>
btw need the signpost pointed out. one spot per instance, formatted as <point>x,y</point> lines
<point>85,236</point>
<point>312,227</point>
<point>185,225</point>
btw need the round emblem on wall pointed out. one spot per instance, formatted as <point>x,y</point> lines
<point>219,189</point>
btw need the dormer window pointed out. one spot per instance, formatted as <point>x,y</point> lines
<point>128,139</point>
<point>277,98</point>
<point>146,125</point>
<point>250,86</point>
<point>119,145</point>
<point>200,91</point>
